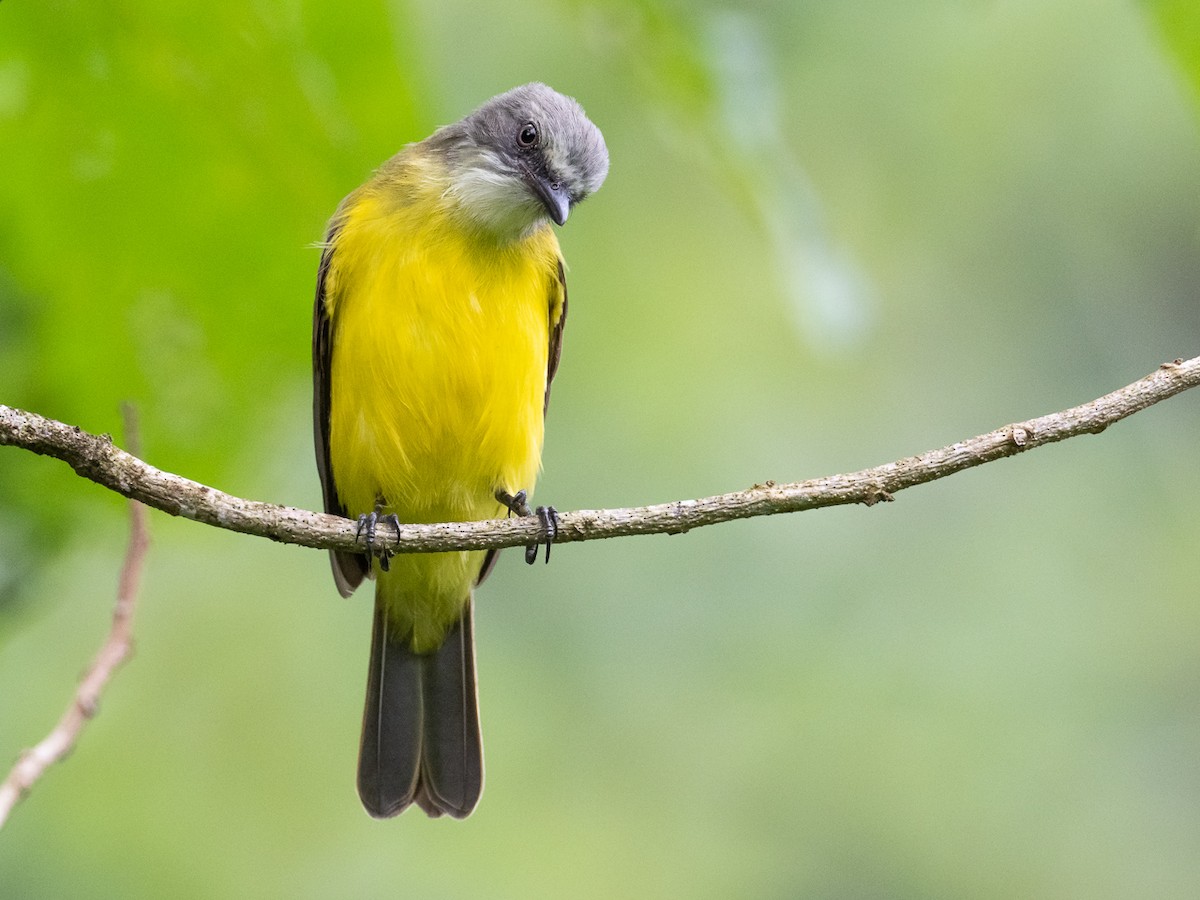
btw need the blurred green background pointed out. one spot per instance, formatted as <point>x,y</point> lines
<point>833,235</point>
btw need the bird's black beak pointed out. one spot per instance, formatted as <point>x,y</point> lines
<point>553,195</point>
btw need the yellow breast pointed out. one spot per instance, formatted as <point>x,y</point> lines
<point>438,377</point>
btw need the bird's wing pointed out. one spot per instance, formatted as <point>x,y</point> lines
<point>558,319</point>
<point>349,569</point>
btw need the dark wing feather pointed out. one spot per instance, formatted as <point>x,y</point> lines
<point>556,334</point>
<point>349,569</point>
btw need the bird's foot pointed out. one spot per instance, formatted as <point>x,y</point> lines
<point>367,523</point>
<point>515,503</point>
<point>518,503</point>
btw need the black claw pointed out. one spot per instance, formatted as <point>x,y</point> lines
<point>515,503</point>
<point>367,524</point>
<point>393,520</point>
<point>385,555</point>
<point>548,517</point>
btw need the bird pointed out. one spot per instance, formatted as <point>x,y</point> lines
<point>437,330</point>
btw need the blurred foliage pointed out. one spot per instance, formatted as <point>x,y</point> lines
<point>833,235</point>
<point>1180,24</point>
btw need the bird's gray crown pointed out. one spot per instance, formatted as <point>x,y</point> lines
<point>525,155</point>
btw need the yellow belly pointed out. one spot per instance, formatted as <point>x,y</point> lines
<point>437,387</point>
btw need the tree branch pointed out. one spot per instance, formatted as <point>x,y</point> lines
<point>98,459</point>
<point>115,650</point>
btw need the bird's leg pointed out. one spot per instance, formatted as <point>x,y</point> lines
<point>367,523</point>
<point>547,515</point>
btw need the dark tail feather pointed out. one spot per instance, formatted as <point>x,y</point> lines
<point>389,757</point>
<point>421,741</point>
<point>451,777</point>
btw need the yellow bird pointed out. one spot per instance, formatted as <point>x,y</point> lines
<point>437,329</point>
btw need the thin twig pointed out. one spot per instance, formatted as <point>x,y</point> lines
<point>97,459</point>
<point>116,649</point>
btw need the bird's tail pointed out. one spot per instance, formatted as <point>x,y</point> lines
<point>420,740</point>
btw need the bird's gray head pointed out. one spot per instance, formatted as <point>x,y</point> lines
<point>524,156</point>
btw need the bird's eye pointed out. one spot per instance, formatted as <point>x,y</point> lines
<point>528,135</point>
